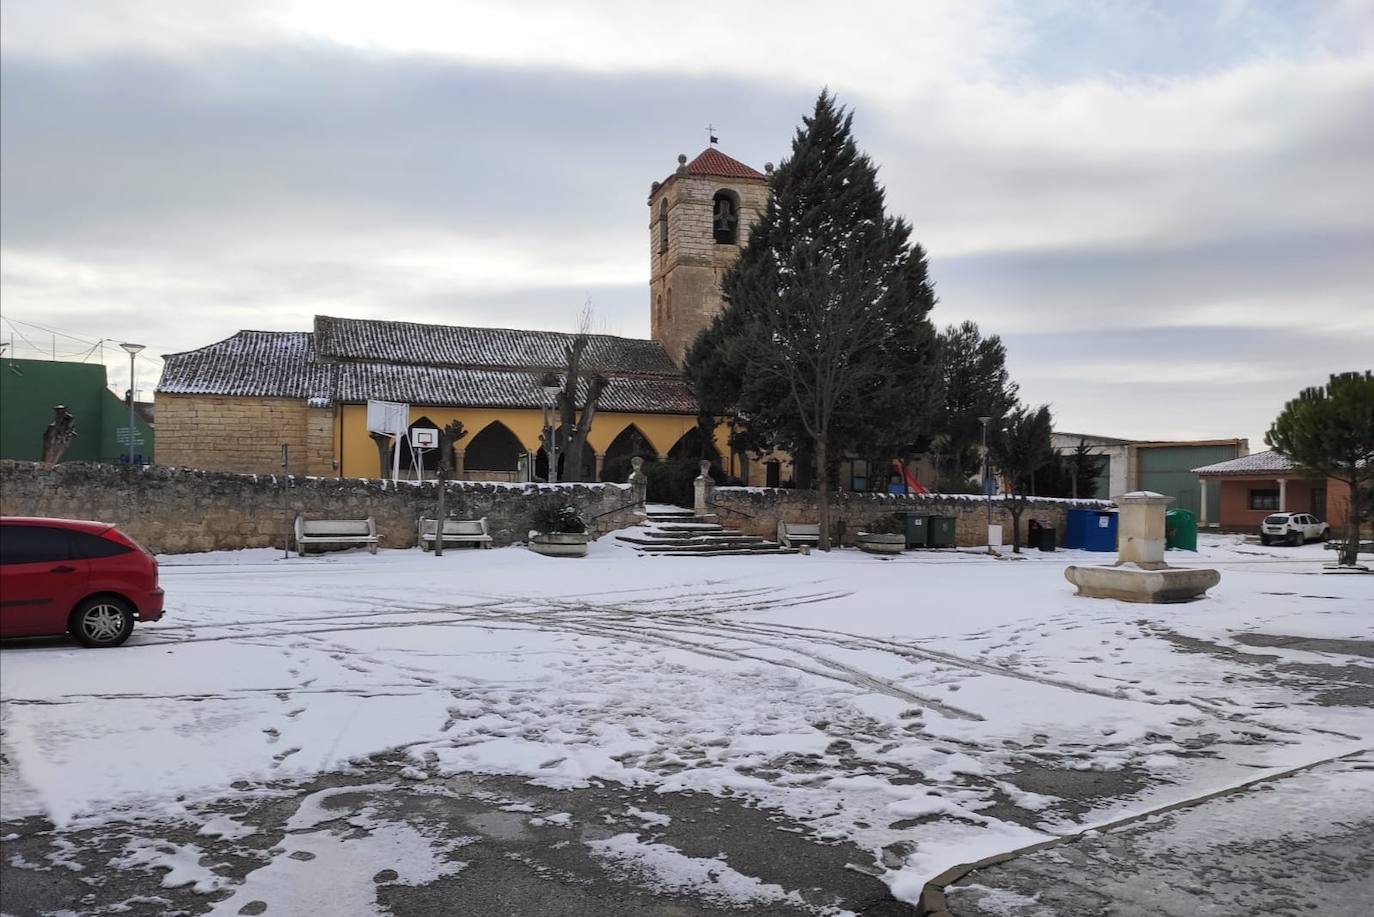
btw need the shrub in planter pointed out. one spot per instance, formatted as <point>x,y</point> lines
<point>555,514</point>
<point>558,529</point>
<point>887,524</point>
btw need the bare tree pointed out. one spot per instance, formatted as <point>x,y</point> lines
<point>571,435</point>
<point>448,439</point>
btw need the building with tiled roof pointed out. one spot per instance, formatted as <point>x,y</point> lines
<point>1252,486</point>
<point>233,404</point>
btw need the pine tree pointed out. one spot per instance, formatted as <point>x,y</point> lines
<point>1328,431</point>
<point>975,383</point>
<point>1019,449</point>
<point>826,342</point>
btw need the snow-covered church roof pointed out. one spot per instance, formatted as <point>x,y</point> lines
<point>353,360</point>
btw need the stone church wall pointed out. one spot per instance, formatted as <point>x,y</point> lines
<point>223,433</point>
<point>757,511</point>
<point>177,510</point>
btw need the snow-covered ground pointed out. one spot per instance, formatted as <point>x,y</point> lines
<point>933,708</point>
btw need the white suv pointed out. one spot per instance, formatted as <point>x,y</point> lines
<point>1292,528</point>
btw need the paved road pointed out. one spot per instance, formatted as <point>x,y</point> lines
<point>505,847</point>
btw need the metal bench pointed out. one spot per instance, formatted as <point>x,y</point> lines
<point>336,531</point>
<point>791,534</point>
<point>456,531</point>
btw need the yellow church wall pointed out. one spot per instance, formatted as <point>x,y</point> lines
<point>359,454</point>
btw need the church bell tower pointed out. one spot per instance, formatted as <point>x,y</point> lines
<point>699,219</point>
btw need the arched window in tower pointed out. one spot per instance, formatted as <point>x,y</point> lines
<point>663,226</point>
<point>668,309</point>
<point>725,217</point>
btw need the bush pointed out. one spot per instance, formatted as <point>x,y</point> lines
<point>557,514</point>
<point>887,524</point>
<point>674,481</point>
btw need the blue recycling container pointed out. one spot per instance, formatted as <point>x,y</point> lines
<point>1076,527</point>
<point>1101,530</point>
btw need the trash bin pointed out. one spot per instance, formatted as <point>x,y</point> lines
<point>1100,534</point>
<point>1180,530</point>
<point>1048,537</point>
<point>1033,533</point>
<point>1076,527</point>
<point>917,530</point>
<point>940,532</point>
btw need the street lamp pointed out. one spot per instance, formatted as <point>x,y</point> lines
<point>551,385</point>
<point>987,490</point>
<point>132,350</point>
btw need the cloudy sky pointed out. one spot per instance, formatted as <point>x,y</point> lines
<point>1165,209</point>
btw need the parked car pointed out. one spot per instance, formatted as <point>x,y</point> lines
<point>63,576</point>
<point>1292,528</point>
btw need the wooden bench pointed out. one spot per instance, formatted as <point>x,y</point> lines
<point>456,531</point>
<point>336,531</point>
<point>791,534</point>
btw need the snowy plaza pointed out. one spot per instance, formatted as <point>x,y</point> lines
<point>295,727</point>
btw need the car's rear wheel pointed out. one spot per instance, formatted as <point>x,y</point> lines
<point>1264,539</point>
<point>102,621</point>
<point>1295,539</point>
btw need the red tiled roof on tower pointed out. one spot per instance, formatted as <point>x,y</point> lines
<point>713,162</point>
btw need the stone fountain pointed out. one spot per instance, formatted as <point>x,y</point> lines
<point>1140,573</point>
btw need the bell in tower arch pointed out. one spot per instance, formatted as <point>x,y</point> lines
<point>726,218</point>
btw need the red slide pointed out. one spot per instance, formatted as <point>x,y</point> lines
<point>912,485</point>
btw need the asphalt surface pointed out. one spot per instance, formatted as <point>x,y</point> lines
<point>515,861</point>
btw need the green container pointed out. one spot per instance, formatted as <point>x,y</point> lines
<point>917,530</point>
<point>941,534</point>
<point>1180,530</point>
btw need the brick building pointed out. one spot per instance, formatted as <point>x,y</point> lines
<point>1253,486</point>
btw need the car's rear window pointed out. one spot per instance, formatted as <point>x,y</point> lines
<point>86,547</point>
<point>1281,519</point>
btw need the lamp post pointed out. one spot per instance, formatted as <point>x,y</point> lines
<point>551,385</point>
<point>132,350</point>
<point>987,490</point>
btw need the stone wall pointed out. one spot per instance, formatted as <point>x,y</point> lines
<point>222,433</point>
<point>757,511</point>
<point>177,510</point>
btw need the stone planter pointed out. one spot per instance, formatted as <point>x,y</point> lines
<point>875,543</point>
<point>560,544</point>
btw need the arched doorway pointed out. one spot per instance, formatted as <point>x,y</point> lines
<point>429,458</point>
<point>588,466</point>
<point>627,444</point>
<point>693,447</point>
<point>493,454</point>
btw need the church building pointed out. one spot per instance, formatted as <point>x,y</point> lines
<point>233,405</point>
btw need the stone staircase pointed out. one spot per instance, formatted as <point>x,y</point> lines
<point>681,533</point>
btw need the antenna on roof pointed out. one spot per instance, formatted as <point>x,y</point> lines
<point>711,132</point>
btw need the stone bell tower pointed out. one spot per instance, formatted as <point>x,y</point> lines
<point>699,219</point>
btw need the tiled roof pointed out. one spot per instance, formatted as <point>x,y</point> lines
<point>712,161</point>
<point>451,345</point>
<point>422,364</point>
<point>264,364</point>
<point>1255,463</point>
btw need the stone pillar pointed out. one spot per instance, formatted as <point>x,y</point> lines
<point>523,464</point>
<point>1140,533</point>
<point>1202,503</point>
<point>600,461</point>
<point>704,487</point>
<point>460,472</point>
<point>639,483</point>
<point>1283,495</point>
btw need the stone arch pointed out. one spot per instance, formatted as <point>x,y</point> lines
<point>541,464</point>
<point>725,217</point>
<point>494,448</point>
<point>691,446</point>
<point>628,443</point>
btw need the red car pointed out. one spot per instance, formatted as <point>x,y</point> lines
<point>61,576</point>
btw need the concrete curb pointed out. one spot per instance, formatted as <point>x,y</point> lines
<point>933,902</point>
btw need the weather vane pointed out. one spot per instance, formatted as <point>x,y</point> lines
<point>711,132</point>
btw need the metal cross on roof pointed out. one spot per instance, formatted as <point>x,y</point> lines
<point>711,132</point>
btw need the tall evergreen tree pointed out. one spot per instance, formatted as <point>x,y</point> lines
<point>1019,449</point>
<point>1328,431</point>
<point>975,383</point>
<point>826,344</point>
